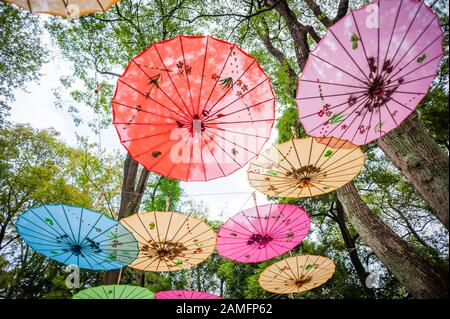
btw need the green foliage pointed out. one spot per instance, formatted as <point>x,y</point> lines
<point>434,114</point>
<point>160,189</point>
<point>37,168</point>
<point>287,121</point>
<point>20,32</point>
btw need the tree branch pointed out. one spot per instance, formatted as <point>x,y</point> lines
<point>315,8</point>
<point>297,30</point>
<point>277,54</point>
<point>342,10</point>
<point>322,17</point>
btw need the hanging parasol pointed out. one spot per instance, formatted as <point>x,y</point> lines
<point>64,8</point>
<point>262,232</point>
<point>184,294</point>
<point>370,71</point>
<point>115,292</point>
<point>193,108</point>
<point>170,241</point>
<point>77,236</point>
<point>297,274</point>
<point>305,167</point>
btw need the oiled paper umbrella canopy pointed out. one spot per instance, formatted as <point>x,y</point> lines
<point>305,167</point>
<point>262,232</point>
<point>297,274</point>
<point>77,236</point>
<point>170,241</point>
<point>193,108</point>
<point>64,8</point>
<point>370,70</point>
<point>185,294</point>
<point>115,292</point>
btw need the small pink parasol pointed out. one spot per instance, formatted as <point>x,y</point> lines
<point>370,70</point>
<point>262,232</point>
<point>184,294</point>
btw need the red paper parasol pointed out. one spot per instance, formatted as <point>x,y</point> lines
<point>193,108</point>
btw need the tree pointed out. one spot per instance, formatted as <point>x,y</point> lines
<point>420,278</point>
<point>21,53</point>
<point>37,168</point>
<point>31,171</point>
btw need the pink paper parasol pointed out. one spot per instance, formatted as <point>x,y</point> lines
<point>262,232</point>
<point>185,294</point>
<point>370,71</point>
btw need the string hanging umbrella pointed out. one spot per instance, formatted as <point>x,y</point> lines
<point>64,8</point>
<point>193,108</point>
<point>184,294</point>
<point>370,70</point>
<point>170,241</point>
<point>297,274</point>
<point>262,232</point>
<point>115,292</point>
<point>305,167</point>
<point>77,236</point>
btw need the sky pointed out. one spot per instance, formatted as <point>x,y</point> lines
<point>35,106</point>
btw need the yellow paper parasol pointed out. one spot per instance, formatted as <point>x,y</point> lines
<point>305,167</point>
<point>170,241</point>
<point>64,8</point>
<point>297,274</point>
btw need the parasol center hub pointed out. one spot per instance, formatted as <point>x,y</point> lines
<point>166,249</point>
<point>163,253</point>
<point>305,182</point>
<point>197,126</point>
<point>300,282</point>
<point>376,88</point>
<point>76,250</point>
<point>260,240</point>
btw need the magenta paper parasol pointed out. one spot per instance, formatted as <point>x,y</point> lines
<point>370,70</point>
<point>185,294</point>
<point>262,232</point>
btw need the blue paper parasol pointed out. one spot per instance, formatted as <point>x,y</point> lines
<point>78,236</point>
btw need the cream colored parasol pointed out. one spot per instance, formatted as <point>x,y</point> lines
<point>297,274</point>
<point>170,241</point>
<point>64,8</point>
<point>305,167</point>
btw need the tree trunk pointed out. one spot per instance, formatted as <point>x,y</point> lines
<point>349,241</point>
<point>142,279</point>
<point>222,282</point>
<point>129,203</point>
<point>418,276</point>
<point>422,161</point>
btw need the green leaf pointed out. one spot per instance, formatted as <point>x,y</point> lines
<point>354,38</point>
<point>328,153</point>
<point>421,58</point>
<point>337,118</point>
<point>48,221</point>
<point>272,173</point>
